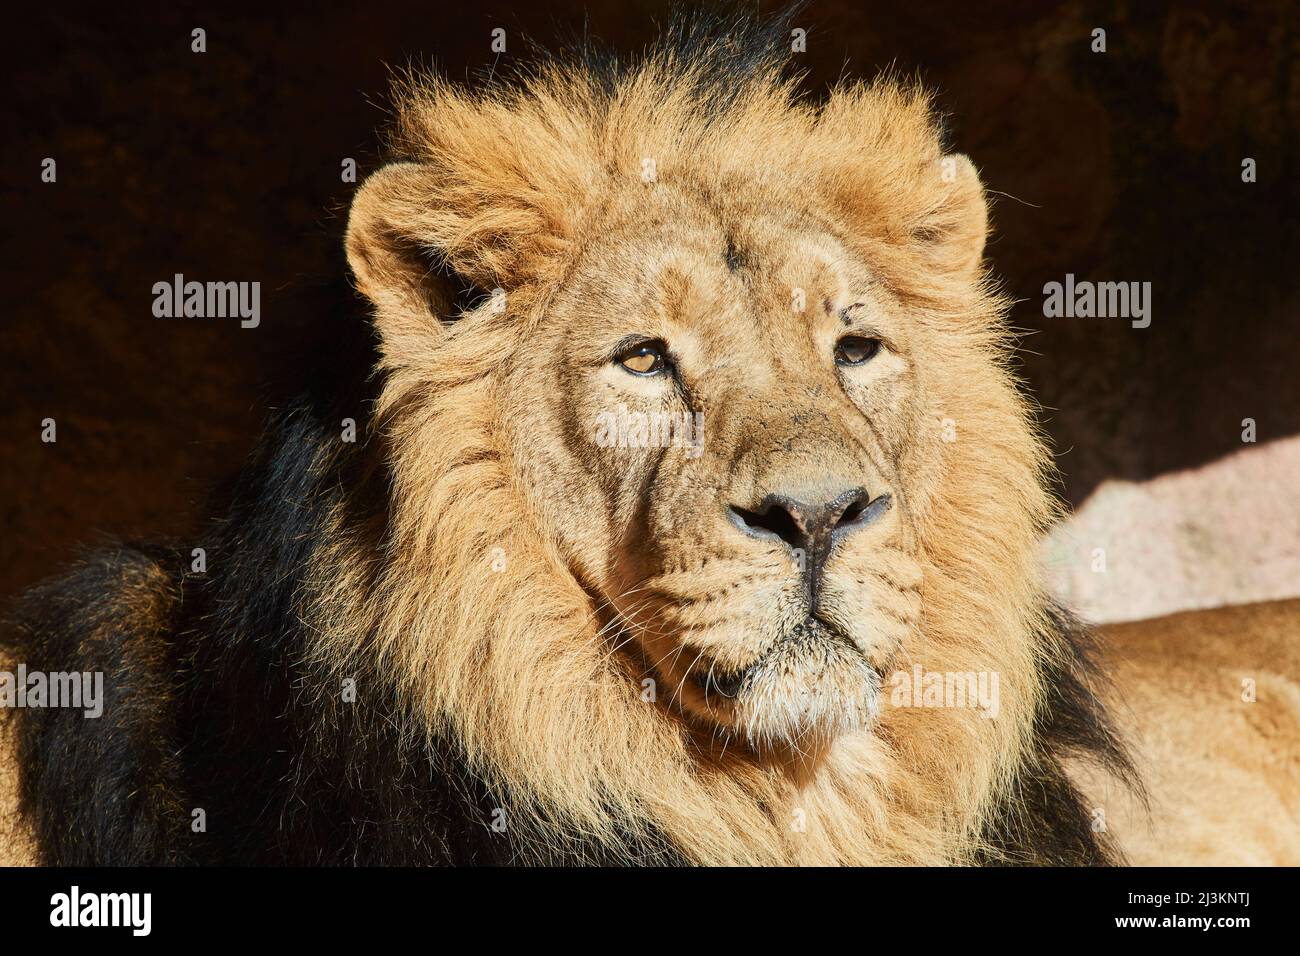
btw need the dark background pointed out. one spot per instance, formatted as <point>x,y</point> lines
<point>226,166</point>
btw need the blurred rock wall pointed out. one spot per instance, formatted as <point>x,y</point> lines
<point>1224,533</point>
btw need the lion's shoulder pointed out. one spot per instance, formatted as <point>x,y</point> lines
<point>1210,703</point>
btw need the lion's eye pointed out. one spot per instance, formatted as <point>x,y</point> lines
<point>646,358</point>
<point>855,350</point>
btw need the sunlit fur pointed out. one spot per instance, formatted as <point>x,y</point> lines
<point>537,188</point>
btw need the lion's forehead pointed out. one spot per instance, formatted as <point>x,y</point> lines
<point>763,220</point>
<point>682,255</point>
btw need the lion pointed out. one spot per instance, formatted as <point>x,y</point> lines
<point>694,520</point>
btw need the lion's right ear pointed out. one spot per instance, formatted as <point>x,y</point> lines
<point>392,266</point>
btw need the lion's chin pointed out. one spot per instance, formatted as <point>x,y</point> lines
<point>810,687</point>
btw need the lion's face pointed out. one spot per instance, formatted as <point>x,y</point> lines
<point>726,404</point>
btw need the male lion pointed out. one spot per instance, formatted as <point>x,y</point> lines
<point>708,534</point>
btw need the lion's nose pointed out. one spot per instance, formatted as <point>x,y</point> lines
<point>804,525</point>
<point>809,528</point>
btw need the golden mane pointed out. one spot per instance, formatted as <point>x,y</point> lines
<point>488,637</point>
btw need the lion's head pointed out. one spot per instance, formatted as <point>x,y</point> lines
<point>726,440</point>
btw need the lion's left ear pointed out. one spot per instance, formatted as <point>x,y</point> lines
<point>485,201</point>
<point>955,228</point>
<point>388,245</point>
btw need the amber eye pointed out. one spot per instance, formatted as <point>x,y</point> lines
<point>645,358</point>
<point>855,350</point>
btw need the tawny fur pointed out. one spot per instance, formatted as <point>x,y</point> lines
<point>15,839</point>
<point>1211,701</point>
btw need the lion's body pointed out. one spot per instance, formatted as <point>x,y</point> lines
<point>1210,704</point>
<point>476,634</point>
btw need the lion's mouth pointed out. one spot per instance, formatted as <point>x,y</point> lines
<point>811,639</point>
<point>812,684</point>
<point>712,680</point>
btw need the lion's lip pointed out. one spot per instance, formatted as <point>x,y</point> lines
<point>729,682</point>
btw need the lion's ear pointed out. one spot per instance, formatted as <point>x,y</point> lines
<point>955,227</point>
<point>897,187</point>
<point>484,206</point>
<point>387,245</point>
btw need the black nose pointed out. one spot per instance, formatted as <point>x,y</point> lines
<point>802,524</point>
<point>810,529</point>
